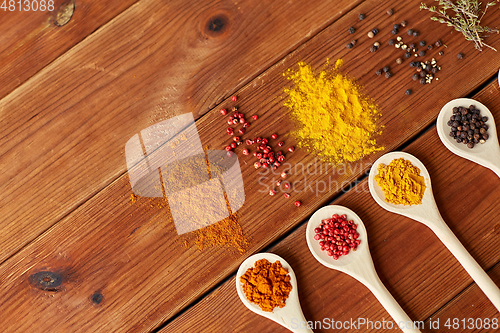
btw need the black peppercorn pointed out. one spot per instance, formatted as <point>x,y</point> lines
<point>352,30</point>
<point>395,26</point>
<point>413,64</point>
<point>408,91</point>
<point>395,31</point>
<point>386,69</point>
<point>388,74</point>
<point>441,53</point>
<point>415,77</point>
<point>421,53</point>
<point>434,70</point>
<point>373,49</point>
<point>361,17</point>
<point>470,145</point>
<point>392,42</point>
<point>415,34</point>
<point>410,32</point>
<point>407,55</point>
<point>438,43</point>
<point>349,45</point>
<point>460,56</point>
<point>422,43</point>
<point>404,24</point>
<point>390,12</point>
<point>429,47</point>
<point>484,119</point>
<point>375,31</point>
<point>422,81</point>
<point>459,140</point>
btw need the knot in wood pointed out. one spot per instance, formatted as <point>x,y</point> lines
<point>216,26</point>
<point>46,280</point>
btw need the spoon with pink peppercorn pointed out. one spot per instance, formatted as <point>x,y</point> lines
<point>357,264</point>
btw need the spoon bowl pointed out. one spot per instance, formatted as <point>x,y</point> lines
<point>358,264</point>
<point>486,154</point>
<point>342,262</point>
<point>289,316</point>
<point>427,213</point>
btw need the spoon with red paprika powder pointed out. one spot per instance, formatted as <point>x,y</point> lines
<point>290,315</point>
<point>358,264</point>
<point>428,214</point>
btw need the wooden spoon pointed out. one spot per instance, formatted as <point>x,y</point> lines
<point>357,264</point>
<point>486,154</point>
<point>289,316</point>
<point>428,214</point>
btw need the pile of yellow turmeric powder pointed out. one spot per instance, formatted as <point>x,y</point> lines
<point>401,182</point>
<point>334,119</point>
<point>267,285</point>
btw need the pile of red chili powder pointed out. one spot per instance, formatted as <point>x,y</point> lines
<point>337,236</point>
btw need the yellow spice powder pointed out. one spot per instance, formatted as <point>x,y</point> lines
<point>334,119</point>
<point>401,182</point>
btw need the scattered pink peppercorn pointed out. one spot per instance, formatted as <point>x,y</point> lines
<point>281,143</point>
<point>297,203</point>
<point>278,183</point>
<point>291,149</point>
<point>241,131</point>
<point>228,148</point>
<point>287,195</point>
<point>255,117</point>
<point>274,136</point>
<point>234,98</point>
<point>246,124</point>
<point>223,112</point>
<point>233,145</point>
<point>236,138</point>
<point>272,192</point>
<point>256,165</point>
<point>283,175</point>
<point>286,185</point>
<point>245,152</point>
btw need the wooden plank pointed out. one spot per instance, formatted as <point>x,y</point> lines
<point>33,39</point>
<point>414,266</point>
<point>65,145</point>
<point>470,311</point>
<point>138,264</point>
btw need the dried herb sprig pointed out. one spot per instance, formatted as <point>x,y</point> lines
<point>467,19</point>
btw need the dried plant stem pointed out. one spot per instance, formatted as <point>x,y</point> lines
<point>466,19</point>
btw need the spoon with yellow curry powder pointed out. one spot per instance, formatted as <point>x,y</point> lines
<point>358,264</point>
<point>424,211</point>
<point>286,311</point>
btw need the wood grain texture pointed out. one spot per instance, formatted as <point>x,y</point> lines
<point>130,254</point>
<point>156,60</point>
<point>33,39</point>
<point>415,267</point>
<point>471,303</point>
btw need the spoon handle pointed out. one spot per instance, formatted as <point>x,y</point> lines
<point>393,308</point>
<point>467,261</point>
<point>367,275</point>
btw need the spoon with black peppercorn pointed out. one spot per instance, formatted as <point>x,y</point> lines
<point>289,316</point>
<point>487,153</point>
<point>428,214</point>
<point>358,264</point>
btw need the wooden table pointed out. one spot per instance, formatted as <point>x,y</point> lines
<point>74,93</point>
